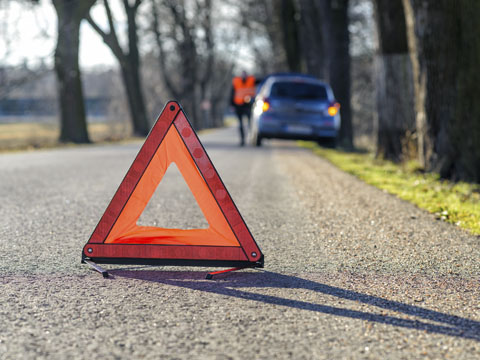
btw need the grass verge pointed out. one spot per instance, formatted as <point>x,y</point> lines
<point>33,136</point>
<point>456,203</point>
<point>30,136</point>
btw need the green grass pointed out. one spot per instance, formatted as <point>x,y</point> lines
<point>456,203</point>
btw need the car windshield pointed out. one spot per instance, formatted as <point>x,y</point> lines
<point>298,90</point>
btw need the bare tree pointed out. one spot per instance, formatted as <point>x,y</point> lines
<point>193,58</point>
<point>219,98</point>
<point>13,77</point>
<point>70,13</point>
<point>129,61</point>
<point>394,82</point>
<point>264,18</point>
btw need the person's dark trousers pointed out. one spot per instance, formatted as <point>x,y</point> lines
<point>242,111</point>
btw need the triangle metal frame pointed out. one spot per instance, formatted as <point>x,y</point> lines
<point>247,254</point>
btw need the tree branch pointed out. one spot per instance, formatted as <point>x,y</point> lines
<point>110,18</point>
<point>109,38</point>
<point>97,28</point>
<point>158,39</point>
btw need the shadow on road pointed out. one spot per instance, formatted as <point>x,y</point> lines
<point>231,286</point>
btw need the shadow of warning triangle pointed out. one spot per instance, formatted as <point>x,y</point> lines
<point>119,239</point>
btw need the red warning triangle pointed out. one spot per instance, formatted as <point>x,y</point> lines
<point>118,239</point>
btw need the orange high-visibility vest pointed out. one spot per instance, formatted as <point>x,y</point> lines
<point>244,91</point>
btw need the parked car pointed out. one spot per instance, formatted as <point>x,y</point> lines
<point>295,107</point>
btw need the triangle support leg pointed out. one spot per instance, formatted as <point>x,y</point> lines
<point>211,274</point>
<point>258,264</point>
<point>96,267</point>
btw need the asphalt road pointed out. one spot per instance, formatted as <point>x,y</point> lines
<point>351,272</point>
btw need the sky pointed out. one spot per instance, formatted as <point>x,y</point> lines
<point>28,33</point>
<point>31,31</point>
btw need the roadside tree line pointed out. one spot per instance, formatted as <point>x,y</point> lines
<point>424,64</point>
<point>183,43</point>
<point>425,72</point>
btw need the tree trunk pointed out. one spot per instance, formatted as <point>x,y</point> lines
<point>466,134</point>
<point>335,28</point>
<point>273,23</point>
<point>394,90</point>
<point>189,69</point>
<point>289,28</point>
<point>72,106</point>
<point>311,38</point>
<point>447,84</point>
<point>136,98</point>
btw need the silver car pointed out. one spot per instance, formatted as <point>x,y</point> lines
<point>295,107</point>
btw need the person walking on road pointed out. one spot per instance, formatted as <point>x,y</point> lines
<point>243,92</point>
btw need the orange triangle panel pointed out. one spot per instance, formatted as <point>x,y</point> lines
<point>118,239</point>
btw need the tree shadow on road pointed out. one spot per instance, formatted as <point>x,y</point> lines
<point>232,285</point>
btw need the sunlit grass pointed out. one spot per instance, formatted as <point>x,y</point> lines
<point>35,135</point>
<point>21,136</point>
<point>456,203</point>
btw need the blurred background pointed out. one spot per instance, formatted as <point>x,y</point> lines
<point>404,71</point>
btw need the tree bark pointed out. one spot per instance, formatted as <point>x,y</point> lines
<point>466,134</point>
<point>394,90</point>
<point>273,24</point>
<point>447,84</point>
<point>136,98</point>
<point>71,100</point>
<point>289,28</point>
<point>335,28</point>
<point>311,38</point>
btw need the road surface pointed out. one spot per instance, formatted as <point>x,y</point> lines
<point>351,272</point>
